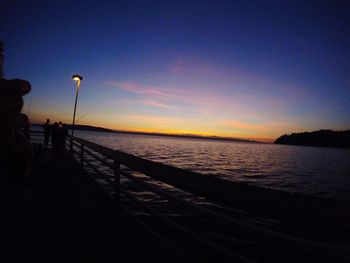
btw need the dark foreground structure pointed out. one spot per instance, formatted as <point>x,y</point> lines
<point>321,138</point>
<point>97,204</point>
<point>63,217</point>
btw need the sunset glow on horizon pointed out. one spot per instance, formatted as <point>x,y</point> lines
<point>211,69</point>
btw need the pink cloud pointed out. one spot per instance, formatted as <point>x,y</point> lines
<point>154,120</point>
<point>200,100</point>
<point>152,103</point>
<point>157,104</point>
<point>180,94</point>
<point>138,89</point>
<point>157,91</point>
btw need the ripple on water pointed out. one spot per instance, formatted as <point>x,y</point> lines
<point>311,170</point>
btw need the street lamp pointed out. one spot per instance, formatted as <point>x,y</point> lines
<point>76,78</point>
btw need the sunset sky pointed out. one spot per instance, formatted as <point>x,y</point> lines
<point>244,69</point>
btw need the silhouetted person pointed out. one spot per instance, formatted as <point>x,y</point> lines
<point>47,132</point>
<point>54,137</point>
<point>62,133</point>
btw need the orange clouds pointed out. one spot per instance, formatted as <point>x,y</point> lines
<point>213,100</point>
<point>268,130</point>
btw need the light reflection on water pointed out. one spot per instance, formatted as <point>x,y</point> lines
<point>309,170</point>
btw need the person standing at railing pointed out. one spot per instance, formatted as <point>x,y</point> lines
<point>54,137</point>
<point>47,132</point>
<point>62,133</point>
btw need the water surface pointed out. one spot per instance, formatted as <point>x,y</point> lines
<point>309,170</point>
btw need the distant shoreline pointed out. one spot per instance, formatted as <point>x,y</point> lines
<point>320,138</point>
<point>101,129</point>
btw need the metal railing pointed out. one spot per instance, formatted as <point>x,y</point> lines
<point>264,241</point>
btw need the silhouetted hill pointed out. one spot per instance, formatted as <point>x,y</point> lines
<point>322,138</point>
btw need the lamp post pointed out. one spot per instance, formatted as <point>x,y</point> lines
<point>77,78</point>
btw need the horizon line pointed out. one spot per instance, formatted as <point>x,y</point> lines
<point>185,135</point>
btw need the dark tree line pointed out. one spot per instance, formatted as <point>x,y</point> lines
<point>323,138</point>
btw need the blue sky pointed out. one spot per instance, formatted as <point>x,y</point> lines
<point>229,68</point>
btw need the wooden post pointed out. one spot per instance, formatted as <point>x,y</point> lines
<point>81,155</point>
<point>117,180</point>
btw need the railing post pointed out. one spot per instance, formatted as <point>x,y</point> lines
<point>117,179</point>
<point>81,155</point>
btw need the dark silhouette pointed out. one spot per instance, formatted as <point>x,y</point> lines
<point>54,136</point>
<point>192,136</point>
<point>14,126</point>
<point>19,161</point>
<point>62,133</point>
<point>14,152</point>
<point>47,132</point>
<point>321,138</point>
<point>59,132</point>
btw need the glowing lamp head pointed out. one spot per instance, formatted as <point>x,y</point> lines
<point>77,77</point>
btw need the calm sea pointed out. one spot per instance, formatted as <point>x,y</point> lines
<point>309,170</point>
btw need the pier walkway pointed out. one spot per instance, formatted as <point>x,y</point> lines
<point>95,204</point>
<point>61,216</point>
